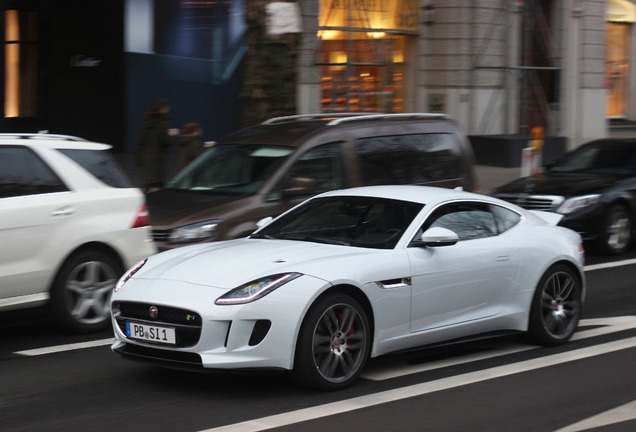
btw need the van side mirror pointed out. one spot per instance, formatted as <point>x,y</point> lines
<point>299,186</point>
<point>435,237</point>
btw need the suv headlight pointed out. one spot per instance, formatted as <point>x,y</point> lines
<point>256,289</point>
<point>573,204</point>
<point>129,274</point>
<point>200,231</point>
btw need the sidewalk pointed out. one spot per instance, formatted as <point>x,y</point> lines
<point>489,177</point>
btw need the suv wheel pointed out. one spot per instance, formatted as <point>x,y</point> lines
<point>80,297</point>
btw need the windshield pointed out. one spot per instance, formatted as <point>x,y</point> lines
<point>231,168</point>
<point>350,221</point>
<point>603,158</point>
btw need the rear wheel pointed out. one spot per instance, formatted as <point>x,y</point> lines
<point>333,344</point>
<point>556,306</point>
<point>80,298</point>
<point>617,231</point>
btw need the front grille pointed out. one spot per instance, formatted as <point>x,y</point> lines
<point>187,324</point>
<point>160,235</point>
<point>533,202</point>
<point>177,359</point>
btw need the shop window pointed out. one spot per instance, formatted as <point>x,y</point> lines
<point>366,55</point>
<point>616,68</point>
<point>20,47</point>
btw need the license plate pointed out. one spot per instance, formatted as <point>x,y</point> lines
<point>165,335</point>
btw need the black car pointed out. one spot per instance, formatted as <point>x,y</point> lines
<point>593,187</point>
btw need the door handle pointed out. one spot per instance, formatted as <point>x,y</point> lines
<point>503,258</point>
<point>64,211</point>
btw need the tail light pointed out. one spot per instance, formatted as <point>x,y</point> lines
<point>142,218</point>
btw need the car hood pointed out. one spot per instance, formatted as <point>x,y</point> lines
<point>229,264</point>
<point>562,184</point>
<point>169,208</point>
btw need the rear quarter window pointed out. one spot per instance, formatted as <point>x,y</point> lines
<point>101,164</point>
<point>409,159</point>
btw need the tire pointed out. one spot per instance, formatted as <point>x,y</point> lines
<point>616,235</point>
<point>556,306</point>
<point>80,296</point>
<point>333,344</point>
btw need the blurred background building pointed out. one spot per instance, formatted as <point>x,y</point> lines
<point>500,67</point>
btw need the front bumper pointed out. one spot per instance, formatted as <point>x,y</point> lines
<point>261,334</point>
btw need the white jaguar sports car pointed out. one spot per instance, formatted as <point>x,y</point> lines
<point>353,274</point>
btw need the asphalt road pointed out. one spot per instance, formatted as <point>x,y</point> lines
<point>51,381</point>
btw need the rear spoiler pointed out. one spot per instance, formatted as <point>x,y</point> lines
<point>550,218</point>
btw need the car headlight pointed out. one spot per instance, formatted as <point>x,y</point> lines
<point>573,204</point>
<point>200,231</point>
<point>130,273</point>
<point>256,289</point>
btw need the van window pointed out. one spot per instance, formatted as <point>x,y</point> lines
<point>409,159</point>
<point>318,170</point>
<point>231,169</point>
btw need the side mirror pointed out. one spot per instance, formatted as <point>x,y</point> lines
<point>261,223</point>
<point>299,186</point>
<point>435,237</point>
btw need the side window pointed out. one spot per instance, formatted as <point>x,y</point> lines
<point>409,159</point>
<point>468,220</point>
<point>319,170</point>
<point>101,164</point>
<point>505,218</point>
<point>22,172</point>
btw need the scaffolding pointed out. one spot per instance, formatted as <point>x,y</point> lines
<point>536,75</point>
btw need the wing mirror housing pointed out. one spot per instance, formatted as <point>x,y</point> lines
<point>261,223</point>
<point>435,237</point>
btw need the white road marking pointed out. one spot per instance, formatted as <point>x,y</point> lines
<point>336,408</point>
<point>617,415</point>
<point>607,325</point>
<point>68,347</point>
<point>609,265</point>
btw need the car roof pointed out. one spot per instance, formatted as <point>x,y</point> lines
<point>418,194</point>
<point>290,129</point>
<point>52,141</point>
<point>626,142</point>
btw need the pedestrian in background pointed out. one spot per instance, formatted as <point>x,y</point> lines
<point>154,142</point>
<point>190,145</point>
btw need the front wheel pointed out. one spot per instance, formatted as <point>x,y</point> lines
<point>556,306</point>
<point>80,297</point>
<point>617,231</point>
<point>333,344</point>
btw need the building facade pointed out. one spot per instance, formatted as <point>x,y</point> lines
<point>497,66</point>
<point>93,68</point>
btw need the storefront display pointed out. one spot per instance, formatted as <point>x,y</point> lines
<point>366,54</point>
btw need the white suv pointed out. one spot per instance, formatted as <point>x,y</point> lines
<point>70,224</point>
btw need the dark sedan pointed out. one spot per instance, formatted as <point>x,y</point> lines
<point>593,187</point>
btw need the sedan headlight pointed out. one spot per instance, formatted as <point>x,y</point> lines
<point>256,289</point>
<point>129,274</point>
<point>200,231</point>
<point>573,204</point>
